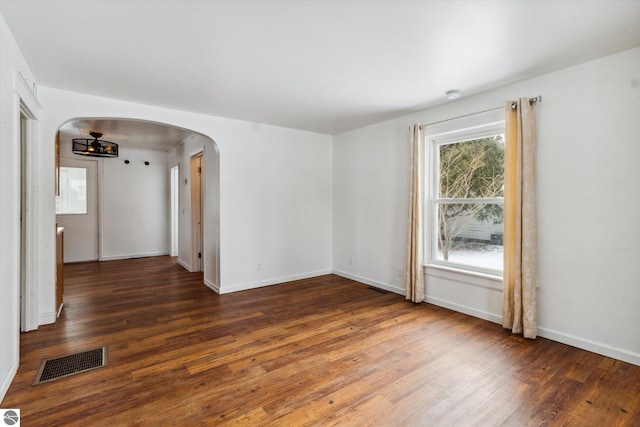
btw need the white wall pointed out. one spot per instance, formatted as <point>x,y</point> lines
<point>134,205</point>
<point>11,60</point>
<point>275,190</point>
<point>281,196</point>
<point>282,204</point>
<point>588,205</point>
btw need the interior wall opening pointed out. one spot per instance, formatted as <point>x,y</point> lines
<point>142,202</point>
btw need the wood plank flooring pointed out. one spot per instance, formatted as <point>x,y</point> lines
<point>321,351</point>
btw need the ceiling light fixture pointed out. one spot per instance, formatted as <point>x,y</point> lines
<point>94,147</point>
<point>453,94</point>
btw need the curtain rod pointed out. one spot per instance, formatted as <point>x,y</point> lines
<point>513,106</point>
<point>538,98</point>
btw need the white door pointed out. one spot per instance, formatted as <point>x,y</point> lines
<point>175,210</point>
<point>77,209</point>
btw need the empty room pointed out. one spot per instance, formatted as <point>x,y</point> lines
<point>296,213</point>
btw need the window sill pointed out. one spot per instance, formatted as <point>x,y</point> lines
<point>482,280</point>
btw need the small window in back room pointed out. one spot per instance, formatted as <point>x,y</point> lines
<point>73,191</point>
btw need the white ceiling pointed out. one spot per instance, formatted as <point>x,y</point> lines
<point>324,66</point>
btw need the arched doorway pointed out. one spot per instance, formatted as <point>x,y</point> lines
<point>134,192</point>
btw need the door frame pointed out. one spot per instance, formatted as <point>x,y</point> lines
<point>27,105</point>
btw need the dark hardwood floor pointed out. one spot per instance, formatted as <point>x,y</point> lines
<point>322,351</point>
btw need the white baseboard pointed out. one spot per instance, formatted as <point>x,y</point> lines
<point>269,282</point>
<point>581,343</point>
<point>130,256</point>
<point>184,265</point>
<point>215,288</point>
<point>6,381</point>
<point>369,282</point>
<point>47,318</point>
<point>592,346</point>
<point>491,317</point>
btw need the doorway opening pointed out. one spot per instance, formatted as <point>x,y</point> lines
<point>145,195</point>
<point>23,217</point>
<point>197,210</point>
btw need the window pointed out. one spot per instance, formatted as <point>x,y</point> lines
<point>465,203</point>
<point>73,191</point>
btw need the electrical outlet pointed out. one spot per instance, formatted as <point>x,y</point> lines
<point>259,266</point>
<point>350,260</point>
<point>400,272</point>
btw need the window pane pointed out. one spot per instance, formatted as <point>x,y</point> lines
<point>472,169</point>
<point>470,234</point>
<point>73,191</point>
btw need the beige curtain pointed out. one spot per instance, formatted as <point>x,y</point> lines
<point>415,260</point>
<point>519,312</point>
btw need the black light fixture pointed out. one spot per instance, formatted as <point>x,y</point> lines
<point>94,147</point>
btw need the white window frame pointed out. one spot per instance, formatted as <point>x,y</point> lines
<point>59,198</point>
<point>458,130</point>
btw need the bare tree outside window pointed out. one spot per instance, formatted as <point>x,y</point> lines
<point>471,178</point>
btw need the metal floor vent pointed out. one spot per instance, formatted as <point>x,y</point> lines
<point>66,366</point>
<point>382,291</point>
